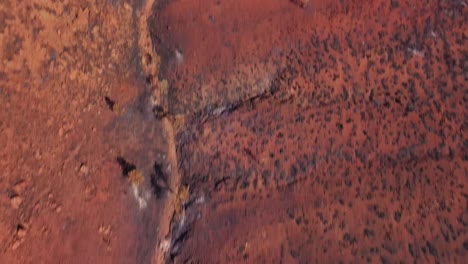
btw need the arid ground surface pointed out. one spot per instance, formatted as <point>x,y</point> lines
<point>204,131</point>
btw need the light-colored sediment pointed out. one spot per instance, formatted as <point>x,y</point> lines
<point>150,63</point>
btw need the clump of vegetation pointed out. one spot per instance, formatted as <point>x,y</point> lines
<point>118,109</point>
<point>182,196</point>
<point>178,123</point>
<point>135,177</point>
<point>113,106</point>
<point>129,171</point>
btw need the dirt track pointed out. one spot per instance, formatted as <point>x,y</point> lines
<point>233,131</point>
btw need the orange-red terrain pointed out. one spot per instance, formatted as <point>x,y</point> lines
<point>235,131</point>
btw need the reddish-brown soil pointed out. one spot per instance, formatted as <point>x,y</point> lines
<point>63,198</point>
<point>233,131</point>
<point>322,132</point>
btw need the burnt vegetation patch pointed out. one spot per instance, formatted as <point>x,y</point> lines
<point>159,181</point>
<point>126,166</point>
<point>109,102</point>
<point>159,112</point>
